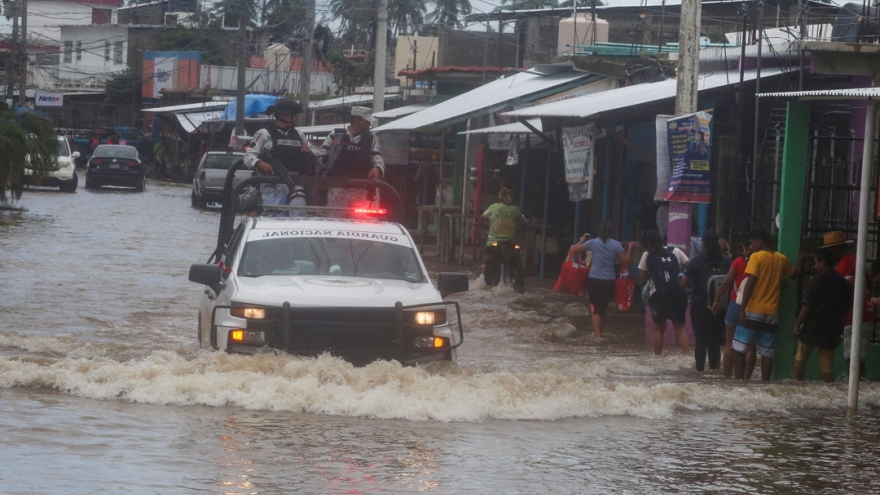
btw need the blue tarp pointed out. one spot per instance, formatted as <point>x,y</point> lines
<point>20,112</point>
<point>253,104</point>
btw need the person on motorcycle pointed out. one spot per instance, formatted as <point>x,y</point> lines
<point>504,221</point>
<point>281,148</point>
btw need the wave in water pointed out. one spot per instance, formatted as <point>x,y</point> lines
<point>603,386</point>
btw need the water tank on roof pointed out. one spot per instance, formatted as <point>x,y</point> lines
<point>578,30</point>
<point>851,26</point>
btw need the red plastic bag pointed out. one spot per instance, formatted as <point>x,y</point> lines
<point>624,287</point>
<point>572,278</point>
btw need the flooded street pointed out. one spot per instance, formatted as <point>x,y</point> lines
<point>104,390</point>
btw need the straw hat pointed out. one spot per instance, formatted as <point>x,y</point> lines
<point>834,238</point>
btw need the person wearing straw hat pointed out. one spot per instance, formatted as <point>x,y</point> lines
<point>837,244</point>
<point>357,158</point>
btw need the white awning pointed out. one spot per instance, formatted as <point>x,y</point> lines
<point>491,97</point>
<point>321,130</point>
<point>191,121</point>
<point>630,96</point>
<point>192,107</point>
<point>512,128</point>
<point>828,94</point>
<point>403,111</point>
<point>347,101</point>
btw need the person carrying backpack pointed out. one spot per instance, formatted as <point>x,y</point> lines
<point>668,299</point>
<point>704,276</point>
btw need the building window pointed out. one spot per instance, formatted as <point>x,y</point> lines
<point>68,52</point>
<point>79,50</point>
<point>117,52</point>
<point>106,51</point>
<point>101,16</point>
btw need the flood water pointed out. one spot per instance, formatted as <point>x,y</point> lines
<point>104,390</point>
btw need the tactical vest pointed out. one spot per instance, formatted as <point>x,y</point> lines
<point>355,159</point>
<point>287,151</point>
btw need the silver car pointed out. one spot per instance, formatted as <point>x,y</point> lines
<point>211,175</point>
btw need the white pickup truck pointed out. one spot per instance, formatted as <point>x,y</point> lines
<point>352,287</point>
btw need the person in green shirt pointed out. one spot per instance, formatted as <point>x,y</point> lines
<point>504,221</point>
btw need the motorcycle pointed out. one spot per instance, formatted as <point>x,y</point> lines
<point>504,265</point>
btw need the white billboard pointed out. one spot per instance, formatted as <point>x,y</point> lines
<point>42,99</point>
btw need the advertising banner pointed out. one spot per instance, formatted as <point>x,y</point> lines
<point>43,99</point>
<point>577,143</point>
<point>688,139</point>
<point>171,71</point>
<point>664,167</point>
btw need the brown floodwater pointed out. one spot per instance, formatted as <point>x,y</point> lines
<point>103,388</point>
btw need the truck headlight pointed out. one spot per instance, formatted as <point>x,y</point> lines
<point>248,312</point>
<point>247,337</point>
<point>431,317</point>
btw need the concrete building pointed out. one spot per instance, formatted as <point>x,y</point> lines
<point>45,17</point>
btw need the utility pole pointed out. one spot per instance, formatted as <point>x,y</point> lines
<point>686,89</point>
<point>688,68</point>
<point>305,71</point>
<point>381,49</point>
<point>22,66</point>
<point>242,68</point>
<point>10,71</point>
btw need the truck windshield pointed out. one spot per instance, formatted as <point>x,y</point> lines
<point>330,256</point>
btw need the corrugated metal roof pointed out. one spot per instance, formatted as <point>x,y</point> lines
<point>192,120</point>
<point>629,96</point>
<point>621,6</point>
<point>191,107</point>
<point>458,69</point>
<point>490,97</point>
<point>401,111</point>
<point>512,128</point>
<point>828,94</point>
<point>345,101</point>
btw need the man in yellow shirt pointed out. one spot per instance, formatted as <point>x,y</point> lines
<point>759,316</point>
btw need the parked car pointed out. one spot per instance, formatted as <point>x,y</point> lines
<point>63,176</point>
<point>116,165</point>
<point>210,176</point>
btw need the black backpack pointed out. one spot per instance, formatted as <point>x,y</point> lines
<point>715,275</point>
<point>664,269</point>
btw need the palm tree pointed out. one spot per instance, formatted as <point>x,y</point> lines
<point>357,20</point>
<point>446,12</point>
<point>406,16</point>
<point>26,141</point>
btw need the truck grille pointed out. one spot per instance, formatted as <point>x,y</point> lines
<point>351,333</point>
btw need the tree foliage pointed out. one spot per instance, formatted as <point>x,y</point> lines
<point>448,12</point>
<point>123,88</point>
<point>26,141</point>
<point>213,43</point>
<point>349,74</point>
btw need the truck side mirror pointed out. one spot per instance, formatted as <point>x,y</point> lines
<point>206,274</point>
<point>452,282</point>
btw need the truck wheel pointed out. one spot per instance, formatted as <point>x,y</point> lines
<point>194,200</point>
<point>70,185</point>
